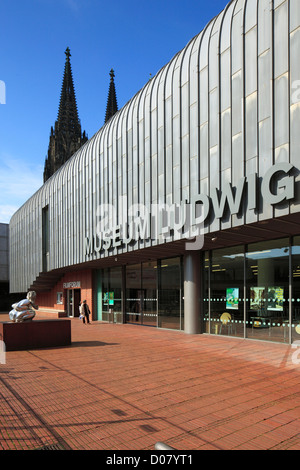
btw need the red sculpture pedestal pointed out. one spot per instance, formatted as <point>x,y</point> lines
<point>35,334</point>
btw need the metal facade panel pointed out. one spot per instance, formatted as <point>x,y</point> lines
<point>294,15</point>
<point>251,63</point>
<point>236,47</point>
<point>264,26</point>
<point>264,79</point>
<point>226,106</point>
<point>294,90</point>
<point>281,107</point>
<point>281,39</point>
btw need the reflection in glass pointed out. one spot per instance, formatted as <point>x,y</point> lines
<point>170,294</point>
<point>141,297</point>
<point>225,314</point>
<point>110,293</point>
<point>206,293</point>
<point>70,302</point>
<point>134,294</point>
<point>266,305</point>
<point>267,276</point>
<point>149,286</point>
<point>296,290</point>
<point>249,291</point>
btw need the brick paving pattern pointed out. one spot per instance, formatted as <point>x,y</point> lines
<point>126,387</point>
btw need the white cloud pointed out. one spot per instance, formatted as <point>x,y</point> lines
<point>19,180</point>
<point>6,211</point>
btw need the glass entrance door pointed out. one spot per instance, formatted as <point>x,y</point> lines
<point>170,311</point>
<point>141,293</point>
<point>149,284</point>
<point>295,325</point>
<point>109,295</point>
<point>76,302</point>
<point>268,291</point>
<point>69,303</point>
<point>134,294</point>
<point>73,301</point>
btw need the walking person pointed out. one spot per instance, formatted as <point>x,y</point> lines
<point>85,311</point>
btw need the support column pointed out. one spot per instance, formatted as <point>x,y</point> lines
<point>192,292</point>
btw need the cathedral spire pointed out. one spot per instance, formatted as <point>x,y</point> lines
<point>112,105</point>
<point>66,138</point>
<point>68,114</point>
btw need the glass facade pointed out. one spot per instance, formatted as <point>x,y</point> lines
<point>226,292</point>
<point>109,295</point>
<point>141,293</point>
<point>249,291</point>
<point>170,294</point>
<point>253,291</point>
<point>149,285</point>
<point>152,293</point>
<point>295,330</point>
<point>134,297</point>
<point>267,283</point>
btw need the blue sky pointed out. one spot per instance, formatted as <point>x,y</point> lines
<point>134,37</point>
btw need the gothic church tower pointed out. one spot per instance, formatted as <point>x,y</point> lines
<point>66,137</point>
<point>112,105</point>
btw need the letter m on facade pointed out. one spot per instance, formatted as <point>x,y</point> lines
<point>2,92</point>
<point>88,245</point>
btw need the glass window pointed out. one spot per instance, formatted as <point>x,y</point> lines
<point>149,285</point>
<point>206,293</point>
<point>134,294</point>
<point>267,276</point>
<point>141,293</point>
<point>110,295</point>
<point>170,294</point>
<point>70,303</point>
<point>226,300</point>
<point>296,290</point>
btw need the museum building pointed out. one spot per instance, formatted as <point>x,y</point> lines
<point>182,211</point>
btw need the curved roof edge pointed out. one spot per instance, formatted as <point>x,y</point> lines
<point>116,116</point>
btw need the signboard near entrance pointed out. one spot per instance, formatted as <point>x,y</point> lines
<point>71,285</point>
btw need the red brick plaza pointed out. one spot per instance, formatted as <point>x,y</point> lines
<point>126,387</point>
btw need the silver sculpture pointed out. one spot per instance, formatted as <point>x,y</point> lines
<point>23,310</point>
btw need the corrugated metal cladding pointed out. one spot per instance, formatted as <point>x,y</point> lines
<point>225,107</point>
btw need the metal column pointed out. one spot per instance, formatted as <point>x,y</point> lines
<point>192,292</point>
